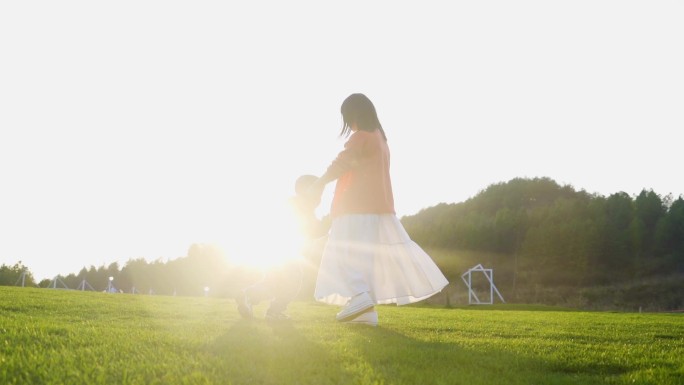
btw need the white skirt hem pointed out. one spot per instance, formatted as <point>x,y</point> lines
<point>373,253</point>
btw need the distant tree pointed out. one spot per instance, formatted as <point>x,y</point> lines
<point>649,209</point>
<point>617,253</point>
<point>93,278</point>
<point>135,272</point>
<point>12,275</point>
<point>669,237</point>
<point>71,281</point>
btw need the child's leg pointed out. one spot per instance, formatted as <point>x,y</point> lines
<point>261,290</point>
<point>286,285</point>
<point>252,295</point>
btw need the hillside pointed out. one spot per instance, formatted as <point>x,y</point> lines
<point>546,239</point>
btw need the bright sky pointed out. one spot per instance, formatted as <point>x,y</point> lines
<point>136,128</point>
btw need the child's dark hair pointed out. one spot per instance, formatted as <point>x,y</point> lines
<point>303,183</point>
<point>357,108</point>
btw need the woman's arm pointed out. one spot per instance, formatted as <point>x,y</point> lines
<point>346,160</point>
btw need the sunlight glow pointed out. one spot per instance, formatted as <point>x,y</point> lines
<point>265,241</point>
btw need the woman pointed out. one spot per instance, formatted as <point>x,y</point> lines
<point>369,258</point>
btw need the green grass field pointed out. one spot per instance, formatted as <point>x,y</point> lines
<point>69,337</point>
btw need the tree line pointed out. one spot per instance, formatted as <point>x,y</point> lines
<point>554,235</point>
<point>204,271</point>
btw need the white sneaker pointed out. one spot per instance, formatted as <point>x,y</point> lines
<point>367,318</point>
<point>357,305</point>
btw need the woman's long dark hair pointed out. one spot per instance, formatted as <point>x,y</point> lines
<point>357,108</point>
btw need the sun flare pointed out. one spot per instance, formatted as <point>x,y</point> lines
<point>261,243</point>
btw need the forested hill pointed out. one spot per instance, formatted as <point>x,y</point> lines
<point>561,236</point>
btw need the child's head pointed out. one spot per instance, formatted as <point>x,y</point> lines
<point>303,183</point>
<point>301,202</point>
<point>359,110</point>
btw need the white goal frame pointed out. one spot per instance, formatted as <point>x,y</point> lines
<point>489,274</point>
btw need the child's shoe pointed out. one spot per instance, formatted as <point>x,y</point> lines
<point>356,306</point>
<point>245,306</point>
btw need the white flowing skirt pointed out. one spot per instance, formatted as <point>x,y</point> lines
<point>373,253</point>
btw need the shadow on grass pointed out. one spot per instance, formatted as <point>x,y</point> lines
<point>400,359</point>
<point>261,352</point>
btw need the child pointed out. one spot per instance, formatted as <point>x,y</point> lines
<point>369,258</point>
<point>283,283</point>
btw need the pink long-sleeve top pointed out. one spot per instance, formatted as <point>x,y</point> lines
<point>362,171</point>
